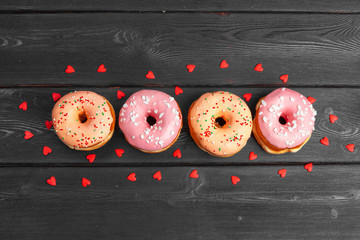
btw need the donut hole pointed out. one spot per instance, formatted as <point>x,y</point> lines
<point>150,120</point>
<point>220,122</point>
<point>82,117</point>
<point>282,120</point>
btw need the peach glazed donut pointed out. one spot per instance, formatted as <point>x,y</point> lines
<point>151,121</point>
<point>220,123</point>
<point>83,120</point>
<point>284,121</point>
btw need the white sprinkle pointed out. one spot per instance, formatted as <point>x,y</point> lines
<point>133,137</point>
<point>281,98</point>
<point>263,102</point>
<point>168,105</point>
<point>172,132</point>
<point>171,98</point>
<point>161,114</point>
<point>260,113</point>
<point>125,105</point>
<point>264,119</point>
<point>154,103</point>
<point>283,89</point>
<point>155,111</point>
<point>292,99</point>
<point>142,136</point>
<point>136,124</point>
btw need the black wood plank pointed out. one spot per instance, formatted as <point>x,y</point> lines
<point>342,102</point>
<point>323,204</point>
<point>314,49</point>
<point>175,5</point>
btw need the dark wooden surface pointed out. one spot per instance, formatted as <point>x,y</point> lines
<point>311,41</point>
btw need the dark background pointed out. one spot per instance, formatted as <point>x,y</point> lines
<point>316,42</point>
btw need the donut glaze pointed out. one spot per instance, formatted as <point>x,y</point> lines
<point>226,139</point>
<point>83,120</point>
<point>138,132</point>
<point>297,113</point>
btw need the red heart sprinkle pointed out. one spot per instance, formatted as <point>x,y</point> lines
<point>178,90</point>
<point>194,174</point>
<point>69,69</point>
<point>101,68</point>
<point>311,99</point>
<point>333,118</point>
<point>325,141</point>
<point>56,96</point>
<point>51,181</point>
<point>284,78</point>
<point>120,94</point>
<point>282,172</point>
<point>258,67</point>
<point>224,64</point>
<point>235,180</point>
<point>190,67</point>
<point>85,182</point>
<point>28,135</point>
<point>48,124</point>
<point>247,96</point>
<point>131,177</point>
<point>350,147</point>
<point>23,106</point>
<point>91,158</point>
<point>150,75</point>
<point>309,167</point>
<point>252,156</point>
<point>157,175</point>
<point>119,152</point>
<point>177,153</point>
<point>46,150</point>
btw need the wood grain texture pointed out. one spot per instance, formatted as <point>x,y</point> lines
<point>314,49</point>
<point>176,5</point>
<point>342,102</point>
<point>323,204</point>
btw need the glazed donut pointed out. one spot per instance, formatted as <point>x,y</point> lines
<point>284,121</point>
<point>83,120</point>
<point>220,123</point>
<point>150,120</point>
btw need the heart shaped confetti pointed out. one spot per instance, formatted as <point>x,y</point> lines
<point>284,78</point>
<point>325,141</point>
<point>157,176</point>
<point>252,156</point>
<point>120,94</point>
<point>235,180</point>
<point>311,99</point>
<point>247,96</point>
<point>46,150</point>
<point>309,167</point>
<point>101,69</point>
<point>85,182</point>
<point>190,68</point>
<point>119,152</point>
<point>56,96</point>
<point>48,124</point>
<point>51,181</point>
<point>282,172</point>
<point>224,64</point>
<point>150,75</point>
<point>131,177</point>
<point>91,158</point>
<point>177,153</point>
<point>258,67</point>
<point>178,90</point>
<point>333,118</point>
<point>69,69</point>
<point>350,147</point>
<point>28,135</point>
<point>194,174</point>
<point>23,106</point>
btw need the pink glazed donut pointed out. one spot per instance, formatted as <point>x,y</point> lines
<point>284,121</point>
<point>150,120</point>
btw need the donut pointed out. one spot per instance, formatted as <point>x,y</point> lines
<point>151,121</point>
<point>284,121</point>
<point>220,123</point>
<point>83,120</point>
